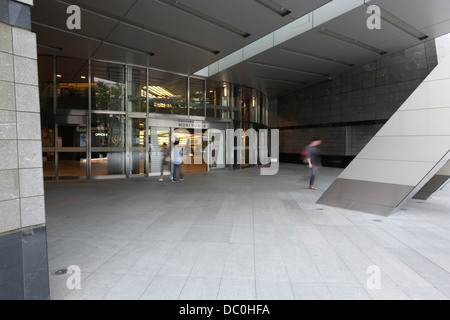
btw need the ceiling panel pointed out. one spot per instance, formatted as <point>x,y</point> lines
<point>63,43</point>
<point>126,31</point>
<point>419,13</point>
<point>115,8</point>
<point>171,23</point>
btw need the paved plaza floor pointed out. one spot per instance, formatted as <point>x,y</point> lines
<point>242,236</point>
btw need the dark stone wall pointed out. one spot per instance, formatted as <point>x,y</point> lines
<point>348,110</point>
<point>24,265</point>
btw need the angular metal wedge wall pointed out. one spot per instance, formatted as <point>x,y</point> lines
<point>410,149</point>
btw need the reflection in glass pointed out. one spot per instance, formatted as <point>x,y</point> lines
<point>157,137</point>
<point>136,85</point>
<point>72,83</point>
<point>217,100</point>
<point>197,97</point>
<point>167,93</point>
<point>108,86</point>
<point>48,151</point>
<point>137,143</point>
<point>108,144</point>
<point>45,67</point>
<point>72,164</point>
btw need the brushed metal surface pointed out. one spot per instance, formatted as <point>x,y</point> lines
<point>366,196</point>
<point>431,187</point>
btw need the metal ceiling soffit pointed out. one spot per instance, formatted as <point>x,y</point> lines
<point>351,41</point>
<point>200,15</point>
<point>289,31</point>
<point>281,80</point>
<point>400,24</point>
<point>145,28</point>
<point>88,38</point>
<point>275,7</point>
<point>317,57</point>
<point>289,69</point>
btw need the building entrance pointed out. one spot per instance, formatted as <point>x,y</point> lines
<point>64,147</point>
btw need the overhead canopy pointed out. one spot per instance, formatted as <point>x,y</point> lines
<point>276,46</point>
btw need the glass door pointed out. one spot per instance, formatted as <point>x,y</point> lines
<point>108,144</point>
<point>157,137</point>
<point>72,150</point>
<point>64,147</point>
<point>193,144</point>
<point>138,161</point>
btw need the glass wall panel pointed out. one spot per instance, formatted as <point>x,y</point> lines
<point>46,88</point>
<point>72,83</point>
<point>167,93</point>
<point>48,151</point>
<point>108,86</point>
<point>71,149</point>
<point>217,100</point>
<point>72,164</point>
<point>108,144</point>
<point>254,107</point>
<point>137,145</point>
<point>157,137</point>
<point>247,100</point>
<point>136,85</point>
<point>237,107</point>
<point>197,97</point>
<point>264,111</point>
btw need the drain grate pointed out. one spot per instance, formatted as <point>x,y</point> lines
<point>377,220</point>
<point>60,272</point>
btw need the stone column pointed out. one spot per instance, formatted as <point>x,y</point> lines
<point>23,242</point>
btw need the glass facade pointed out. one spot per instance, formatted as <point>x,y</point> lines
<point>103,119</point>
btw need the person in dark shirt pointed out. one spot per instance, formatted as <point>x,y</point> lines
<point>313,160</point>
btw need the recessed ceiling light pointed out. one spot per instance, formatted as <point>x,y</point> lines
<point>200,15</point>
<point>318,57</point>
<point>289,69</point>
<point>351,41</point>
<point>275,7</point>
<point>402,25</point>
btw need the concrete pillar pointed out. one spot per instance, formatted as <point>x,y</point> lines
<point>23,241</point>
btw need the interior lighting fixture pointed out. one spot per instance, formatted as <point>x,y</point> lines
<point>275,7</point>
<point>157,91</point>
<point>200,15</point>
<point>317,57</point>
<point>351,41</point>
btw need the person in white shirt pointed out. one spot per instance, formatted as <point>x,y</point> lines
<point>177,159</point>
